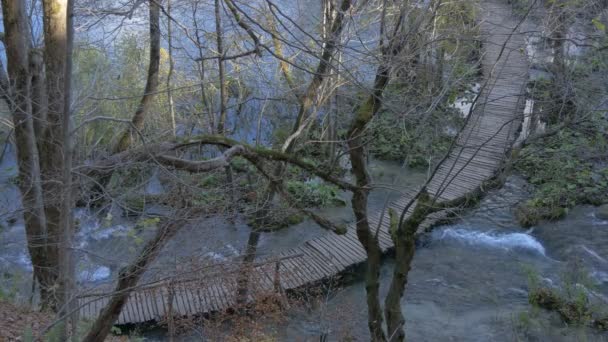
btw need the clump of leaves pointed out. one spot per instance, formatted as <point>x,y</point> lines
<point>275,219</point>
<point>314,194</point>
<point>566,170</point>
<point>571,300</point>
<point>394,138</point>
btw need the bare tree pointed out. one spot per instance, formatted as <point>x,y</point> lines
<point>138,120</point>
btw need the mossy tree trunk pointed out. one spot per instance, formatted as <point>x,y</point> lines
<point>306,102</point>
<point>145,104</point>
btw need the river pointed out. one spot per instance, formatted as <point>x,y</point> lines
<point>470,280</point>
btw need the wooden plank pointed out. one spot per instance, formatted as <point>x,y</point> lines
<point>179,299</point>
<point>288,274</point>
<point>315,273</point>
<point>321,247</point>
<point>213,301</point>
<point>148,303</point>
<point>308,263</point>
<point>304,264</point>
<point>342,249</point>
<point>201,301</point>
<point>188,300</point>
<point>137,304</point>
<point>219,294</point>
<point>128,310</point>
<point>298,276</point>
<point>338,255</point>
<point>321,265</point>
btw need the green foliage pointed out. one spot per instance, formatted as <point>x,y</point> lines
<point>116,330</point>
<point>415,142</point>
<point>552,101</point>
<point>9,289</point>
<point>148,222</point>
<point>118,76</point>
<point>571,300</point>
<point>208,198</point>
<point>55,333</point>
<point>28,335</point>
<point>520,7</point>
<point>314,194</point>
<point>564,171</point>
<point>277,218</point>
<point>212,180</point>
<point>461,14</point>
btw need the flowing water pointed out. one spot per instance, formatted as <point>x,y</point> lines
<point>108,240</point>
<point>470,280</point>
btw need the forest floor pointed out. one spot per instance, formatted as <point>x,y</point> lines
<point>15,320</point>
<point>20,323</point>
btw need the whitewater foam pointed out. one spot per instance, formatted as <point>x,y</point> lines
<point>506,241</point>
<point>93,275</point>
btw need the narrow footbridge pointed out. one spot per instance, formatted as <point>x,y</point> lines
<point>481,150</point>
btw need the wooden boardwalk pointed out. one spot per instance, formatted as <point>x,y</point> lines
<point>480,152</point>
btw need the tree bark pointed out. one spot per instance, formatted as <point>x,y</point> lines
<point>368,239</point>
<point>17,50</point>
<point>171,67</point>
<point>128,279</point>
<point>404,239</point>
<point>363,116</point>
<point>306,103</point>
<point>137,122</point>
<point>55,150</point>
<point>221,125</point>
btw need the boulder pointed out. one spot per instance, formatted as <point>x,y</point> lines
<point>602,212</point>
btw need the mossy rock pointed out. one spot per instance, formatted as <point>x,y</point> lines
<point>136,204</point>
<point>572,312</point>
<point>545,298</point>
<point>602,212</point>
<point>276,220</point>
<point>601,323</point>
<point>530,214</point>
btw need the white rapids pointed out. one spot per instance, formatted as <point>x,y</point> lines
<point>507,241</point>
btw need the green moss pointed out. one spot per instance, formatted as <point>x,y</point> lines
<point>571,299</point>
<point>212,180</point>
<point>309,194</point>
<point>418,144</point>
<point>276,220</point>
<point>341,229</point>
<point>564,170</point>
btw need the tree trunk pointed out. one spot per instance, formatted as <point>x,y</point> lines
<point>306,103</point>
<point>221,125</point>
<point>128,279</point>
<point>17,44</point>
<point>364,233</point>
<point>404,239</point>
<point>55,161</point>
<point>205,102</point>
<point>137,122</point>
<point>356,143</point>
<point>171,67</point>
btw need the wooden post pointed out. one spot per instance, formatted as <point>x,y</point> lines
<point>277,277</point>
<point>170,321</point>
